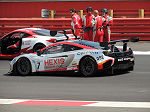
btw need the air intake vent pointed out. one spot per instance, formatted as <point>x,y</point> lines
<point>107,64</point>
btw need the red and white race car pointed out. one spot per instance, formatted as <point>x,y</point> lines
<point>81,56</point>
<point>29,40</point>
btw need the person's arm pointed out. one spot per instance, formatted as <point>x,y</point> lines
<point>82,21</point>
<point>104,22</point>
<point>110,21</point>
<point>76,23</point>
<point>13,46</point>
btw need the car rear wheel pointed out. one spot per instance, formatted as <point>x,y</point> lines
<point>38,46</point>
<point>88,66</point>
<point>23,66</point>
<point>131,68</point>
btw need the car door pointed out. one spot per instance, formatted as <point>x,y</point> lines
<point>8,40</point>
<point>26,42</point>
<point>57,57</point>
<point>52,58</point>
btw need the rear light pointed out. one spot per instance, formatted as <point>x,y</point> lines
<point>52,40</point>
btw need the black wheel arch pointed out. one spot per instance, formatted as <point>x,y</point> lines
<point>86,56</point>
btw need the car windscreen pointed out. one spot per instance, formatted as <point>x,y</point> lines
<point>87,43</point>
<point>44,32</point>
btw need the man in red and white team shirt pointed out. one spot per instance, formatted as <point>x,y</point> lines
<point>75,23</point>
<point>107,22</point>
<point>97,29</point>
<point>88,23</point>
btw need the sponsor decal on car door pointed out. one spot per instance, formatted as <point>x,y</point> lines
<point>55,57</point>
<point>54,63</point>
<point>26,43</point>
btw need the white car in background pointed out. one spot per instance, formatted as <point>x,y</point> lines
<point>30,40</point>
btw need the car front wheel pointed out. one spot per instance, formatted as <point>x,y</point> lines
<point>23,66</point>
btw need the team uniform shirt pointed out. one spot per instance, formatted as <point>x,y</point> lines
<point>75,23</point>
<point>107,22</point>
<point>97,29</point>
<point>88,23</point>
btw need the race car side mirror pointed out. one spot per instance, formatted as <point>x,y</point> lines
<point>105,45</point>
<point>53,33</point>
<point>38,52</point>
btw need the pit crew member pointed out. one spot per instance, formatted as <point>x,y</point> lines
<point>107,22</point>
<point>88,23</point>
<point>75,23</point>
<point>97,29</point>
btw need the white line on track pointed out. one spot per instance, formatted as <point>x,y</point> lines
<point>121,104</point>
<point>11,101</point>
<point>141,52</point>
<point>91,103</point>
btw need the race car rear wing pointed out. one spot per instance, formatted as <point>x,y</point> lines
<point>53,33</point>
<point>113,42</point>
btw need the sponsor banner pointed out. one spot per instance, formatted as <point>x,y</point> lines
<point>87,52</point>
<point>126,59</point>
<point>75,67</point>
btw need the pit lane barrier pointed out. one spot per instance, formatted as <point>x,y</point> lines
<point>115,13</point>
<point>123,28</point>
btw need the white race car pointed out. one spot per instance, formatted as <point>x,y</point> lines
<point>76,55</point>
<point>28,40</point>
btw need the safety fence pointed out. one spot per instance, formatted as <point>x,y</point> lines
<point>122,28</point>
<point>128,13</point>
<point>30,9</point>
<point>131,27</point>
<point>141,13</point>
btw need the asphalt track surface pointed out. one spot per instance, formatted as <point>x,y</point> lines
<point>122,87</point>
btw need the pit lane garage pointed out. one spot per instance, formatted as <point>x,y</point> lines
<point>29,40</point>
<point>82,56</point>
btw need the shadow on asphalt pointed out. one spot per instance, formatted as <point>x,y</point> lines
<point>69,74</point>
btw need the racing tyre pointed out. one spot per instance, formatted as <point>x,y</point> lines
<point>131,68</point>
<point>23,66</point>
<point>88,66</point>
<point>38,46</point>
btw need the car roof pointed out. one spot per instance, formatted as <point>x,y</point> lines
<point>26,30</point>
<point>86,43</point>
<point>29,29</point>
<point>70,42</point>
